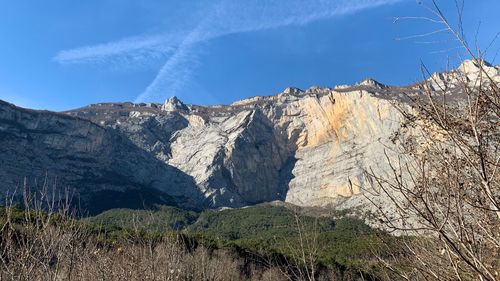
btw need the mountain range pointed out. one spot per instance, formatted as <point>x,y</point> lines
<point>305,147</point>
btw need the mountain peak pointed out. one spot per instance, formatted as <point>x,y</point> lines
<point>292,90</point>
<point>473,65</point>
<point>174,104</point>
<point>372,83</point>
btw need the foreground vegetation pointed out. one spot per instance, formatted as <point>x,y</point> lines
<point>166,243</point>
<point>346,242</point>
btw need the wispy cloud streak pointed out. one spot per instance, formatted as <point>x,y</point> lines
<point>176,71</point>
<point>222,18</point>
<point>128,49</point>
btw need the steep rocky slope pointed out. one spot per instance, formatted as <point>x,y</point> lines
<point>308,148</point>
<point>100,168</point>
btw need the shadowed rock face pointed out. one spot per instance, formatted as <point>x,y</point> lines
<point>97,164</point>
<point>308,148</point>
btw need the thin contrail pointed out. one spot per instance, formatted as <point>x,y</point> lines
<point>223,18</point>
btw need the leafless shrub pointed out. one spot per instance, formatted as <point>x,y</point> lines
<point>43,241</point>
<point>302,260</point>
<point>445,182</point>
<point>271,274</point>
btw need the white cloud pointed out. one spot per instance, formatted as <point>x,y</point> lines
<point>222,18</point>
<point>128,50</point>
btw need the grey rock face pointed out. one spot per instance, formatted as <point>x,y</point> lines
<point>308,148</point>
<point>99,164</point>
<point>304,147</point>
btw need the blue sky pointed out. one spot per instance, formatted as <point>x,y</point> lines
<point>59,55</point>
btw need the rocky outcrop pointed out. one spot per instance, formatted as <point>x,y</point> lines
<point>372,83</point>
<point>469,72</point>
<point>174,104</point>
<point>307,147</point>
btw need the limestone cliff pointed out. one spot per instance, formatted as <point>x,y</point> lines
<point>308,148</point>
<point>304,147</point>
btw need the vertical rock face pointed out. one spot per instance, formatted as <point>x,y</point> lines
<point>304,147</point>
<point>234,159</point>
<point>308,147</point>
<point>343,135</point>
